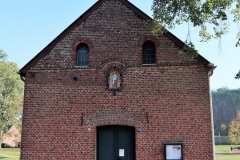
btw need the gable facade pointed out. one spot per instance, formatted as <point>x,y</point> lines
<point>67,106</point>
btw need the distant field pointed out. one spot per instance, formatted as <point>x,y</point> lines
<point>223,152</point>
<point>9,153</point>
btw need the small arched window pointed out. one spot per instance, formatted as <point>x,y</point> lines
<point>148,53</point>
<point>82,55</point>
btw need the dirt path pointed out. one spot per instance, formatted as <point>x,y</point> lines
<point>236,151</point>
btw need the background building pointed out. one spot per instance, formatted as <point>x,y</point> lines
<point>12,138</point>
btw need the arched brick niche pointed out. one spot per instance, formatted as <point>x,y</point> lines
<point>74,50</point>
<point>109,65</point>
<point>145,39</point>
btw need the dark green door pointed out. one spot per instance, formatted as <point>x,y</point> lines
<point>115,143</point>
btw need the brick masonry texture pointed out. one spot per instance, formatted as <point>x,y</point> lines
<point>174,93</point>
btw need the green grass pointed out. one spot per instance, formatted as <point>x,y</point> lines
<point>4,158</point>
<point>223,152</point>
<point>10,149</point>
<point>220,149</point>
<point>9,153</point>
<point>223,149</point>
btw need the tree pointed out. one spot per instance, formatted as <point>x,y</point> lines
<point>223,129</point>
<point>11,94</point>
<point>200,13</point>
<point>225,104</point>
<point>203,14</point>
<point>3,55</point>
<point>238,75</point>
<point>234,130</point>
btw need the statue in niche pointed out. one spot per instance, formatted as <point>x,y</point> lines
<point>114,80</point>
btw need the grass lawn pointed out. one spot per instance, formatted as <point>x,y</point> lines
<point>9,153</point>
<point>223,152</point>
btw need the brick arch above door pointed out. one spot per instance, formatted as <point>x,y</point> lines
<point>116,117</point>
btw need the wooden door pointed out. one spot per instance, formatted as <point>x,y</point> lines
<point>115,143</point>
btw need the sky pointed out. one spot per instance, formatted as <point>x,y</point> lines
<point>27,26</point>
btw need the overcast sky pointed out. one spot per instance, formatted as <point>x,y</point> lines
<point>27,26</point>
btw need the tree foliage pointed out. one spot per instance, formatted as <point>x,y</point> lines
<point>3,55</point>
<point>200,13</point>
<point>234,130</point>
<point>226,103</point>
<point>11,93</point>
<point>223,129</point>
<point>237,75</point>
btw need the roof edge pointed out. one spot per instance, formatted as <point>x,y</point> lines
<point>181,44</point>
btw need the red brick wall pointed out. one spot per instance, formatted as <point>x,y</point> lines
<point>174,93</point>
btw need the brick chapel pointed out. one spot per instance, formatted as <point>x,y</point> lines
<point>107,89</point>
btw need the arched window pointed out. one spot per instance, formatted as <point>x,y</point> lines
<point>148,53</point>
<point>82,55</point>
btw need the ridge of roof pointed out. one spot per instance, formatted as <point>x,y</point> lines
<point>82,18</point>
